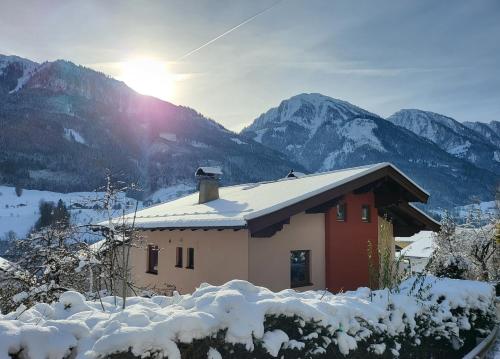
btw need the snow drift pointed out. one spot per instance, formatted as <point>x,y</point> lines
<point>241,311</point>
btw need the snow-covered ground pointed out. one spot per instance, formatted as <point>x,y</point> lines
<point>461,212</point>
<point>19,214</point>
<point>486,207</point>
<point>159,323</point>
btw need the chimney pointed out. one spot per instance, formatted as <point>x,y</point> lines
<point>208,183</point>
<point>294,174</point>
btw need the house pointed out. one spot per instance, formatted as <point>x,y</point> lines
<point>5,266</point>
<point>303,231</point>
<point>418,252</point>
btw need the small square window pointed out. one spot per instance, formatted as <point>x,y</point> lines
<point>178,257</point>
<point>152,259</point>
<point>300,268</point>
<point>341,212</point>
<point>365,213</point>
<point>190,258</point>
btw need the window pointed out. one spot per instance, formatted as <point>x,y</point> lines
<point>300,269</point>
<point>365,213</point>
<point>341,211</point>
<point>152,259</point>
<point>190,258</point>
<point>178,257</point>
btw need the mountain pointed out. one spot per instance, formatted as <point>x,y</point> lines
<point>489,131</point>
<point>63,125</point>
<point>451,136</point>
<point>322,133</point>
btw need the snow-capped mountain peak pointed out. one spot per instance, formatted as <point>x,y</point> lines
<point>452,136</point>
<point>308,111</point>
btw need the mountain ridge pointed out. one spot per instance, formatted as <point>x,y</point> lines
<point>67,123</point>
<point>451,136</point>
<point>344,137</point>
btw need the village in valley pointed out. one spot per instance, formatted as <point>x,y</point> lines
<point>276,217</point>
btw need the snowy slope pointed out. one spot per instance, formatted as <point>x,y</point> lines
<point>450,135</point>
<point>488,130</point>
<point>19,214</point>
<point>14,72</point>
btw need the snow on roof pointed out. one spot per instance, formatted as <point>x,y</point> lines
<point>238,204</point>
<point>295,174</point>
<point>5,265</point>
<point>209,170</point>
<point>422,246</point>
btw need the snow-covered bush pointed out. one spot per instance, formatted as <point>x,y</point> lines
<point>467,251</point>
<point>45,267</point>
<point>435,317</point>
<point>58,257</point>
<point>452,266</point>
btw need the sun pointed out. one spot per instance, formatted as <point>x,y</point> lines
<point>148,77</point>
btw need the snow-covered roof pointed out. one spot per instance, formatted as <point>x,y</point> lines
<point>5,265</point>
<point>422,246</point>
<point>239,204</point>
<point>209,170</point>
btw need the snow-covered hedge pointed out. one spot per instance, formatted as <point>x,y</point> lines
<point>241,320</point>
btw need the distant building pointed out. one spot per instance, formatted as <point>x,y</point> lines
<point>303,231</point>
<point>418,252</point>
<point>5,266</point>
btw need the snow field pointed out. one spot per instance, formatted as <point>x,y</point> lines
<point>19,214</point>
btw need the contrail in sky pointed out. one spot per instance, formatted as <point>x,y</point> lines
<point>229,31</point>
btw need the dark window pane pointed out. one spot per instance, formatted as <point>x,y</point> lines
<point>190,258</point>
<point>300,268</point>
<point>178,257</point>
<point>152,259</point>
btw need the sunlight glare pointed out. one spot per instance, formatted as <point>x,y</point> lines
<point>148,77</point>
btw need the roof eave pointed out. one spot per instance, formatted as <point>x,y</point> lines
<point>264,220</point>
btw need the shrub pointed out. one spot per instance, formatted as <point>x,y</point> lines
<point>435,318</point>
